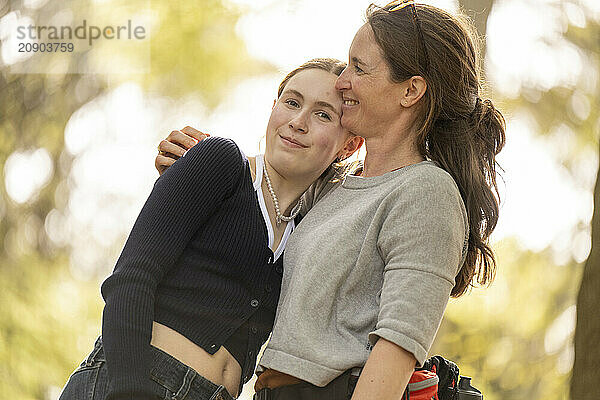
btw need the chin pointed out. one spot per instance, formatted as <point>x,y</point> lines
<point>283,160</point>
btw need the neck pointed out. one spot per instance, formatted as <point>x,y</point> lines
<point>388,152</point>
<point>288,190</point>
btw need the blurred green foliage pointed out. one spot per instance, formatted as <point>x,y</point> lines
<point>499,335</point>
<point>47,322</point>
<point>48,318</point>
<point>196,48</point>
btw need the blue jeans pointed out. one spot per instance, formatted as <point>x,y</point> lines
<point>170,379</point>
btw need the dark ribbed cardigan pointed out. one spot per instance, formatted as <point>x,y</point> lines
<point>197,260</point>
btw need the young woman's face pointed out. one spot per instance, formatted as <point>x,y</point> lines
<point>371,99</point>
<point>304,134</point>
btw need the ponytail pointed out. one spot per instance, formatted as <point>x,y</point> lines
<point>467,148</point>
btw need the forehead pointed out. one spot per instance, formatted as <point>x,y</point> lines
<point>364,45</point>
<point>315,84</point>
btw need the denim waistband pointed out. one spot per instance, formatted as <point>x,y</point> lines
<point>183,380</point>
<point>180,379</point>
<point>97,354</point>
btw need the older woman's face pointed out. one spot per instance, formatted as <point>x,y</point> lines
<point>371,100</point>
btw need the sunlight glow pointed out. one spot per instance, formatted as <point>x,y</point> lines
<point>525,46</point>
<point>26,173</point>
<point>536,186</point>
<point>8,24</point>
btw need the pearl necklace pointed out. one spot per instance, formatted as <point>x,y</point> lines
<point>280,217</point>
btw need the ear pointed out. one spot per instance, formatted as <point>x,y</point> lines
<point>415,88</point>
<point>353,143</point>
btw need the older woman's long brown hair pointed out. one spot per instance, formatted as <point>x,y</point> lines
<point>455,128</point>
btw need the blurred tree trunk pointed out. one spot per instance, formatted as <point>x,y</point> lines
<point>585,380</point>
<point>479,11</point>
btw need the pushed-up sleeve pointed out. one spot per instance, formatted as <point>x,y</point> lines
<point>185,196</point>
<point>421,243</point>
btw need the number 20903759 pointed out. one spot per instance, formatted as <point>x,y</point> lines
<point>46,47</point>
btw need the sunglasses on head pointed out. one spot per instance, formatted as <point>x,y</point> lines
<point>401,4</point>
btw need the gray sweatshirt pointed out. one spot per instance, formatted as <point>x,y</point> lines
<point>375,257</point>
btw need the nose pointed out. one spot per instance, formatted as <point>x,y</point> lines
<point>298,123</point>
<point>342,82</point>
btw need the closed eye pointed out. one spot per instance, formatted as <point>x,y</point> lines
<point>358,69</point>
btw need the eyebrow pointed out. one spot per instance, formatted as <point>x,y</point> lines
<point>324,104</point>
<point>358,60</point>
<point>294,92</point>
<point>319,103</point>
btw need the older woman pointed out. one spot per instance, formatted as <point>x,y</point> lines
<point>369,270</point>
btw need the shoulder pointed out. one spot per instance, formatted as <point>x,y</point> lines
<point>428,174</point>
<point>214,154</point>
<point>318,189</point>
<point>215,147</point>
<point>427,190</point>
<point>214,157</point>
<point>427,184</point>
<point>426,199</point>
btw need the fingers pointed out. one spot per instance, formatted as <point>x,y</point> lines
<point>176,150</point>
<point>186,138</point>
<point>163,162</point>
<point>181,139</point>
<point>196,134</point>
<point>175,145</point>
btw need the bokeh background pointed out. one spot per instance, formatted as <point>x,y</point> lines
<point>77,162</point>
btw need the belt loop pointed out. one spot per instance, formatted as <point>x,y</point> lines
<point>190,374</point>
<point>97,347</point>
<point>218,394</point>
<point>354,375</point>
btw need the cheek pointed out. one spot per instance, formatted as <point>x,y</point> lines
<point>328,141</point>
<point>273,127</point>
<point>362,84</point>
<point>278,117</point>
<point>371,89</point>
<point>377,101</point>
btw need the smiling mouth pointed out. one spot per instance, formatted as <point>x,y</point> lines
<point>350,102</point>
<point>292,142</point>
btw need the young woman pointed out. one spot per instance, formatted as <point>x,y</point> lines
<point>193,294</point>
<point>369,270</point>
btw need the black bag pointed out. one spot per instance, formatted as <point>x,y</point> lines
<point>448,373</point>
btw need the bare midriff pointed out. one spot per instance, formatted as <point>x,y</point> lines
<point>220,368</point>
